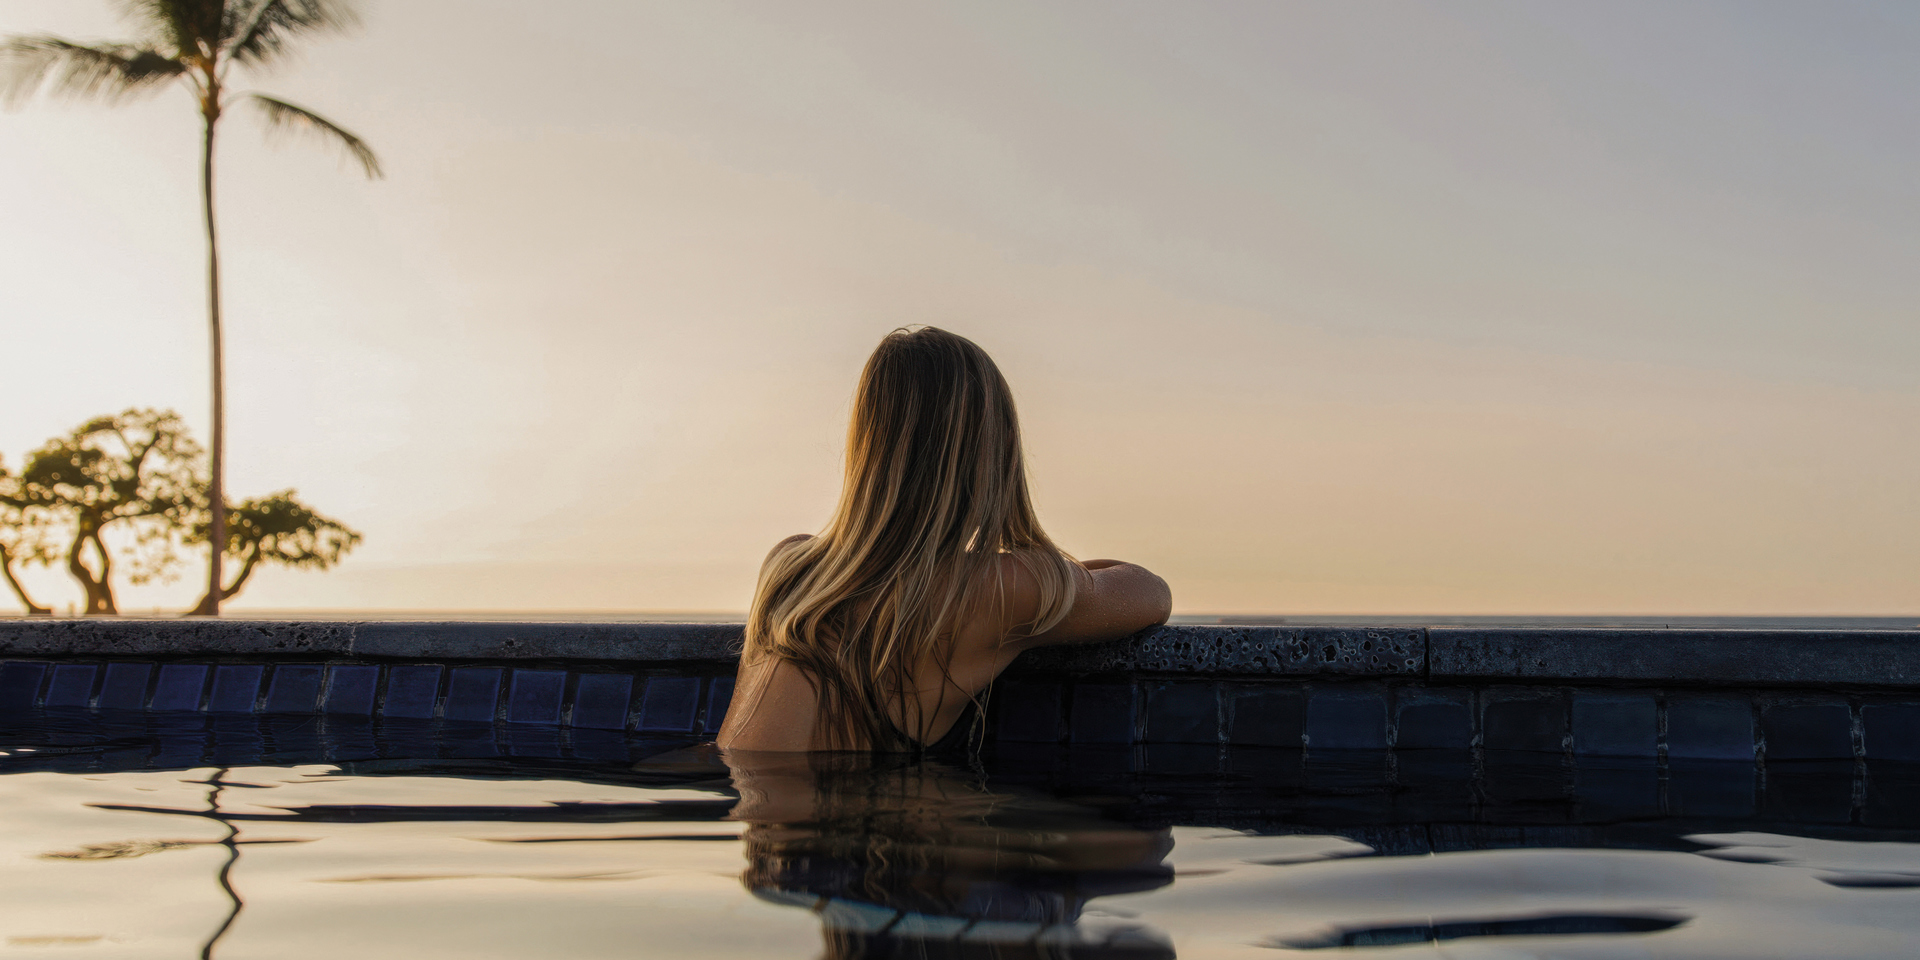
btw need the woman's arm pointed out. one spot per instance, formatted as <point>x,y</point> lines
<point>1112,599</point>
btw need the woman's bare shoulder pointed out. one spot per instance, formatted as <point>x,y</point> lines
<point>1009,594</point>
<point>774,708</point>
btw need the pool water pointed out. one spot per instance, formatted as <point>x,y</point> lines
<point>145,837</point>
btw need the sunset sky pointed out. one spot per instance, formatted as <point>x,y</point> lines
<point>1332,307</point>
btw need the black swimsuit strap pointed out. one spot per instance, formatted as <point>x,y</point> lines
<point>956,736</point>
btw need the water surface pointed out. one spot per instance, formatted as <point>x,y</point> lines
<point>149,839</point>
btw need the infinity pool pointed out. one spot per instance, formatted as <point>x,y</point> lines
<point>142,837</point>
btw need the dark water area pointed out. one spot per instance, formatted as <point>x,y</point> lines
<point>151,835</point>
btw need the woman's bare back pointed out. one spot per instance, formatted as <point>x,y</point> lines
<point>775,707</point>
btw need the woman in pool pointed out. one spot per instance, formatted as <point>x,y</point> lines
<point>884,632</point>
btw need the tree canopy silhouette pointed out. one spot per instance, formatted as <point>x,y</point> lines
<point>199,44</point>
<point>280,529</point>
<point>137,473</point>
<point>134,486</point>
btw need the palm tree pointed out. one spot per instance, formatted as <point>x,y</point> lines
<point>197,43</point>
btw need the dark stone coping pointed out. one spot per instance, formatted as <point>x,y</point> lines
<point>1669,657</point>
<point>391,639</point>
<point>1244,651</point>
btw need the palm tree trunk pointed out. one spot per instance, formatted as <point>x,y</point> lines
<point>216,486</point>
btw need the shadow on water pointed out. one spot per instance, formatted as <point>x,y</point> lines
<point>1553,925</point>
<point>1002,856</point>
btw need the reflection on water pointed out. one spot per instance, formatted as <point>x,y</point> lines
<point>224,879</point>
<point>391,846</point>
<point>898,857</point>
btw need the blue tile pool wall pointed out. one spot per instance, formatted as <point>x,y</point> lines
<point>413,691</point>
<point>601,701</point>
<point>351,689</point>
<point>535,696</point>
<point>473,694</point>
<point>1104,714</point>
<point>1807,730</point>
<point>1347,717</point>
<point>1634,726</point>
<point>182,687</point>
<point>1434,718</point>
<point>1891,731</point>
<point>1674,728</point>
<point>71,685</point>
<point>1265,715</point>
<point>1710,726</point>
<point>669,704</point>
<point>294,688</point>
<point>1182,711</point>
<point>1617,724</point>
<point>236,688</point>
<point>665,703</point>
<point>1524,720</point>
<point>123,687</point>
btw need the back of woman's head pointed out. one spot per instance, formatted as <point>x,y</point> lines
<point>935,494</point>
<point>934,465</point>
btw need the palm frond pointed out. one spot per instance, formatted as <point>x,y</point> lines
<point>257,31</point>
<point>111,72</point>
<point>189,26</point>
<point>284,116</point>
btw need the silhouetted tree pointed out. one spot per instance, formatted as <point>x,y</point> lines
<point>135,480</point>
<point>280,529</point>
<point>198,43</point>
<point>28,534</point>
<point>137,472</point>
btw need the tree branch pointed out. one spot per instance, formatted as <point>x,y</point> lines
<point>6,568</point>
<point>246,570</point>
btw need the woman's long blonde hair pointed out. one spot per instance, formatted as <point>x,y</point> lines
<point>935,494</point>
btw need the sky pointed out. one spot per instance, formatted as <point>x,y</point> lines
<point>1310,307</point>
